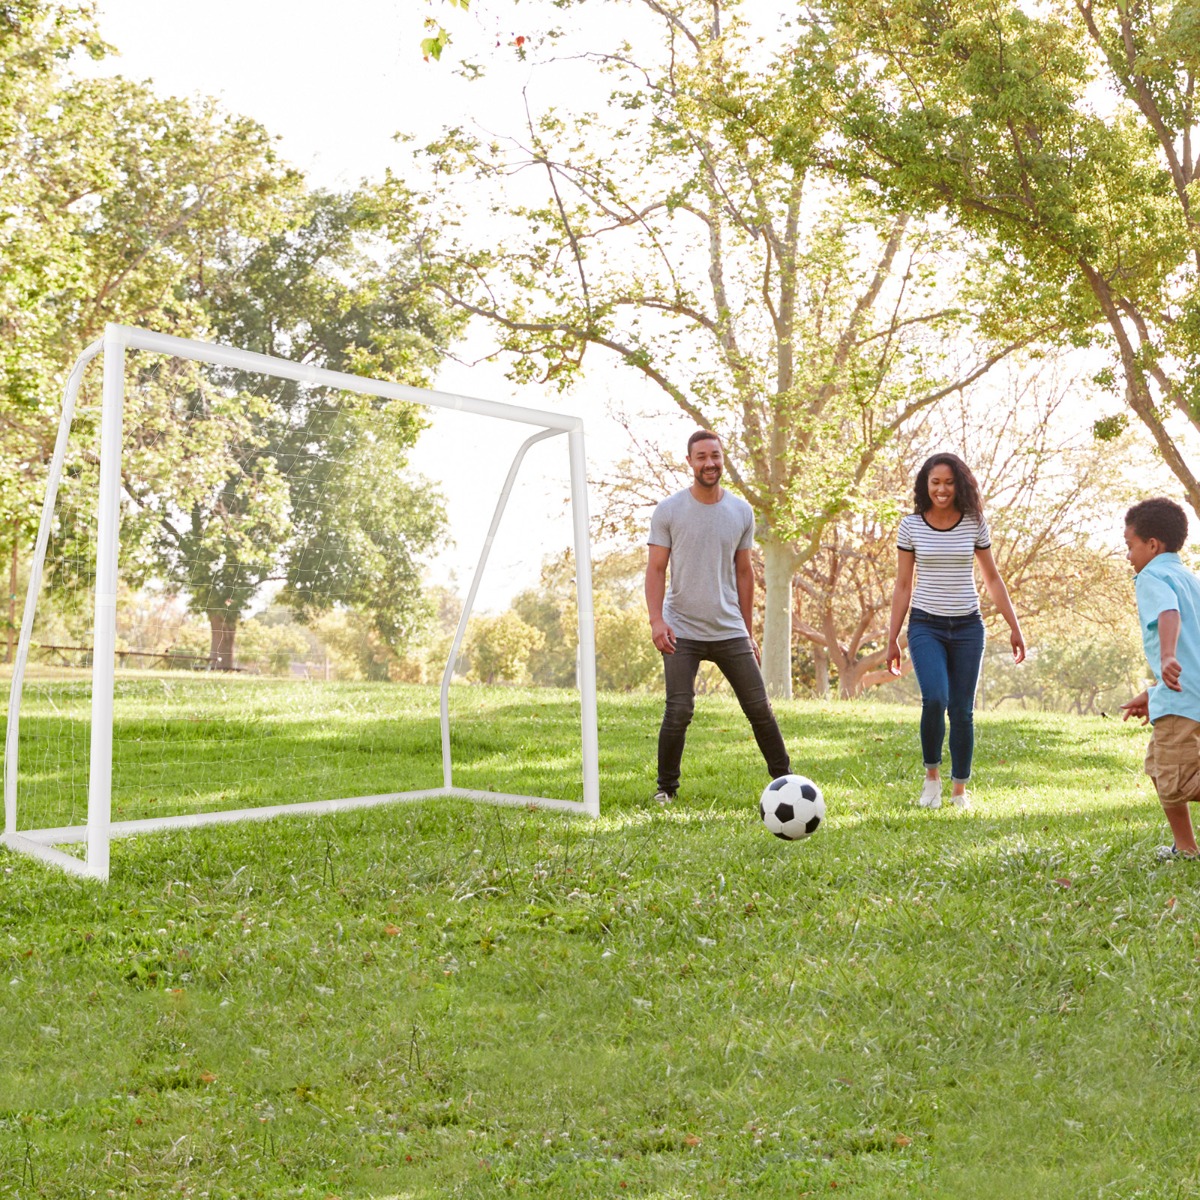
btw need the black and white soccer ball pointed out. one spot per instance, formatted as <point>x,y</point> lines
<point>792,807</point>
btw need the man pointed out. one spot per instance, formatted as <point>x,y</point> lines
<point>705,534</point>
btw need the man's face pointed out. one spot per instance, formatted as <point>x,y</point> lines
<point>706,462</point>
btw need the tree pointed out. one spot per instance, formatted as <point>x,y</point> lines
<point>111,198</point>
<point>802,321</point>
<point>499,648</point>
<point>1049,493</point>
<point>308,488</point>
<point>625,655</point>
<point>1067,133</point>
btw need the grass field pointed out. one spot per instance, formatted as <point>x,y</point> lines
<point>448,1000</point>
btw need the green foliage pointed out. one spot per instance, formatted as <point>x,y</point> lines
<point>282,480</point>
<point>270,647</point>
<point>1063,134</point>
<point>804,319</point>
<point>451,1000</point>
<point>126,206</point>
<point>625,656</point>
<point>438,39</point>
<point>499,648</point>
<point>113,198</point>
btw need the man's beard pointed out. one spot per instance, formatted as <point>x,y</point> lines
<point>702,481</point>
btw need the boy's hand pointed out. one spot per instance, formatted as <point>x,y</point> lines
<point>1139,706</point>
<point>1171,670</point>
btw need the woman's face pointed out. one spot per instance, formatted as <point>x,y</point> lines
<point>941,487</point>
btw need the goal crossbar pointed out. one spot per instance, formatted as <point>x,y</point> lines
<point>100,828</point>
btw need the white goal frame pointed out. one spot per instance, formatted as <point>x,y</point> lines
<point>100,828</point>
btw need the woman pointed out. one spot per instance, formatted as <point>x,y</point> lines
<point>940,542</point>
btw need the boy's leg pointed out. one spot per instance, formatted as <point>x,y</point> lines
<point>1173,762</point>
<point>1180,821</point>
<point>679,672</point>
<point>735,660</point>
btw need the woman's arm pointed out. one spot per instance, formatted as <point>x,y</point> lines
<point>1000,598</point>
<point>901,596</point>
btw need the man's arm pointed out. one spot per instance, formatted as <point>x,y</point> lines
<point>744,573</point>
<point>656,592</point>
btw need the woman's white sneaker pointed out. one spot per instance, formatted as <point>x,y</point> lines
<point>962,800</point>
<point>931,794</point>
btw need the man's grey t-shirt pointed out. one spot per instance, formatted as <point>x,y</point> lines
<point>702,600</point>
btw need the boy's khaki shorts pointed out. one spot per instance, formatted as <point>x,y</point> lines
<point>1173,760</point>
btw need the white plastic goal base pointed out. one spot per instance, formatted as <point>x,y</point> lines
<point>96,834</point>
<point>43,843</point>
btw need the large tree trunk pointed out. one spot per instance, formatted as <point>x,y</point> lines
<point>821,671</point>
<point>779,562</point>
<point>223,625</point>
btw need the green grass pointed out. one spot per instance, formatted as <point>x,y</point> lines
<point>454,1000</point>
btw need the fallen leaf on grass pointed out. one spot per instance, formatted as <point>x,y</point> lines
<point>1066,883</point>
<point>691,1140</point>
<point>901,1140</point>
<point>207,1077</point>
<point>391,930</point>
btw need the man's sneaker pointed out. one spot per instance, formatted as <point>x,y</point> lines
<point>664,797</point>
<point>963,800</point>
<point>931,794</point>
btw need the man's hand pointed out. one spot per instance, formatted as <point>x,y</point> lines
<point>663,635</point>
<point>1171,670</point>
<point>1139,706</point>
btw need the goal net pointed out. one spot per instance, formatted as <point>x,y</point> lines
<point>234,609</point>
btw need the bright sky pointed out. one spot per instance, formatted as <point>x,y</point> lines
<point>335,86</point>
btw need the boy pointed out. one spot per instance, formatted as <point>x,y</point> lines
<point>1168,600</point>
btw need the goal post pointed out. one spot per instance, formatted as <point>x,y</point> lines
<point>44,840</point>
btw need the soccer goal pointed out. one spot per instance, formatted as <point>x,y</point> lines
<point>199,494</point>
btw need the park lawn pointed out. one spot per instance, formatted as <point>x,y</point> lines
<point>452,1000</point>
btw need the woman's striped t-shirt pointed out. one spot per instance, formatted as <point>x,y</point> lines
<point>945,565</point>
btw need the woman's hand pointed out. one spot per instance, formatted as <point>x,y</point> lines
<point>1018,646</point>
<point>893,656</point>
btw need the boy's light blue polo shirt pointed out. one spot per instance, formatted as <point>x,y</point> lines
<point>1162,585</point>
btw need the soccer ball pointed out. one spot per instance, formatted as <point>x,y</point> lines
<point>792,807</point>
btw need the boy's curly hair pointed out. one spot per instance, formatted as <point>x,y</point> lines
<point>1159,518</point>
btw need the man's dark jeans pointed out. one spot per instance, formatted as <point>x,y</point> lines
<point>946,656</point>
<point>735,660</point>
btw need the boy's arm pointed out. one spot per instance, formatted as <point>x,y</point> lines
<point>1168,640</point>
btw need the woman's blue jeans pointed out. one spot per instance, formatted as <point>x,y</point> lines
<point>946,655</point>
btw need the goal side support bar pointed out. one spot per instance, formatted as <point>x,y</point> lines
<point>17,682</point>
<point>100,827</point>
